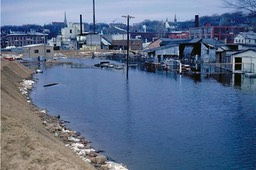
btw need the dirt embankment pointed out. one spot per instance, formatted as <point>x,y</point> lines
<point>25,143</point>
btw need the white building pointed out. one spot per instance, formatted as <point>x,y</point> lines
<point>245,38</point>
<point>70,35</point>
<point>244,61</point>
<point>71,31</point>
<point>55,42</point>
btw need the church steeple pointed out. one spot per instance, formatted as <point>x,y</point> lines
<point>65,20</point>
<point>175,19</point>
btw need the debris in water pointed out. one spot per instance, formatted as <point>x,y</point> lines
<point>51,84</point>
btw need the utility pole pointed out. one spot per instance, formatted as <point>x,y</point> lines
<point>128,42</point>
<point>94,26</point>
<point>44,44</point>
<point>45,32</point>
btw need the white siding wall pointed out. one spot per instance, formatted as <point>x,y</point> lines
<point>71,31</point>
<point>239,39</point>
<point>248,61</point>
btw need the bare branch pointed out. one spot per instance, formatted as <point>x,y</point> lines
<point>245,5</point>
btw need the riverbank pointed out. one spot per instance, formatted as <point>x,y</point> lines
<point>32,139</point>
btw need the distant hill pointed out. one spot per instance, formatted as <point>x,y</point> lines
<point>227,19</point>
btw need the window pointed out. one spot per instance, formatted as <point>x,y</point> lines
<point>70,31</point>
<point>208,30</point>
<point>216,30</point>
<point>36,51</point>
<point>48,51</point>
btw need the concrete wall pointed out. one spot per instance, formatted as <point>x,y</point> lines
<point>34,51</point>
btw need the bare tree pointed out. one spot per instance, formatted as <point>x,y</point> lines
<point>245,5</point>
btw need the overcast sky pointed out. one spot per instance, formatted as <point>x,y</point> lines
<point>19,12</point>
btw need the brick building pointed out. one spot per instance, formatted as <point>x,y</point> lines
<point>134,44</point>
<point>21,39</point>
<point>178,35</point>
<point>222,33</point>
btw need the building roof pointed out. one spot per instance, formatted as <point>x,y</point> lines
<point>168,41</point>
<point>240,52</point>
<point>208,41</point>
<point>212,42</point>
<point>105,41</point>
<point>35,45</point>
<point>160,48</point>
<point>24,34</point>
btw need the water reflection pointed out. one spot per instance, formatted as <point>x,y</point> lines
<point>236,80</point>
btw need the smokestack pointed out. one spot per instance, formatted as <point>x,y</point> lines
<point>196,20</point>
<point>81,27</point>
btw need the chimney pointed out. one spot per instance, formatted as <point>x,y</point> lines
<point>196,20</point>
<point>81,27</point>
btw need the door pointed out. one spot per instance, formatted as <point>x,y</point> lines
<point>238,63</point>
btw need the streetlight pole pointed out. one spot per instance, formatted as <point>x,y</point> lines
<point>128,42</point>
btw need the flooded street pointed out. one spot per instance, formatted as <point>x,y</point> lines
<point>156,120</point>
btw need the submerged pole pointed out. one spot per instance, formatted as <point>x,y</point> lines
<point>94,26</point>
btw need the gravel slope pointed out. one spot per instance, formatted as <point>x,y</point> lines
<point>25,143</point>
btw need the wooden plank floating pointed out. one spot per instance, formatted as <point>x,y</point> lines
<point>51,84</point>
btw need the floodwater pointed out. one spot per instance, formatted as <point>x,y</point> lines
<point>156,121</point>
